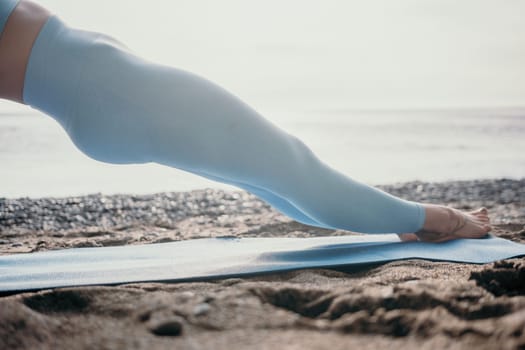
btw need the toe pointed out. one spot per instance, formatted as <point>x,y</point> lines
<point>479,211</point>
<point>481,217</point>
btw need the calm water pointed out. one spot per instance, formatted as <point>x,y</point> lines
<point>38,159</point>
<point>382,90</point>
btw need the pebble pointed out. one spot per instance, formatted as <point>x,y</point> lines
<point>169,327</point>
<point>201,309</point>
<point>166,209</point>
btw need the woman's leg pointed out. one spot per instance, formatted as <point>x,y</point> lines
<point>119,108</point>
<point>25,24</point>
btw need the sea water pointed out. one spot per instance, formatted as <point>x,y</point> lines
<point>38,159</point>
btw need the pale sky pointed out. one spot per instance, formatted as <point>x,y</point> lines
<point>318,55</point>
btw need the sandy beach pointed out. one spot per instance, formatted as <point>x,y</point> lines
<point>410,304</point>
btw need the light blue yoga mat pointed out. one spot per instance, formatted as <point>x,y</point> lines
<point>228,257</point>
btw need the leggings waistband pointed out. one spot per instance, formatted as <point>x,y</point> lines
<point>6,7</point>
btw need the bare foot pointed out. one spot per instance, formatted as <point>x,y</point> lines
<point>444,223</point>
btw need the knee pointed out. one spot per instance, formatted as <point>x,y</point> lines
<point>306,167</point>
<point>301,155</point>
<point>294,168</point>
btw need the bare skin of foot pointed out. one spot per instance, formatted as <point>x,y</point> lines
<point>443,224</point>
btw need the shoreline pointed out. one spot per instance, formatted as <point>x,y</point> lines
<point>82,211</point>
<point>28,225</point>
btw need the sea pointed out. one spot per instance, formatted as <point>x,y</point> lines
<point>383,91</point>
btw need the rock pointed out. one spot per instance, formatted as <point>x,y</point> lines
<point>201,309</point>
<point>168,327</point>
<point>57,214</point>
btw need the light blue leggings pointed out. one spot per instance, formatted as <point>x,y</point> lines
<point>119,108</point>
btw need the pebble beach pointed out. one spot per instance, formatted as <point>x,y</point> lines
<point>405,304</point>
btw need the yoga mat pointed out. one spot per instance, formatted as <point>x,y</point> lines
<point>229,257</point>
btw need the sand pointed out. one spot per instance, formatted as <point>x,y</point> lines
<point>411,304</point>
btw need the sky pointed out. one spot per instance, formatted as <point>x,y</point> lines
<point>301,55</point>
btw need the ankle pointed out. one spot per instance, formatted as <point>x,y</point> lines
<point>440,218</point>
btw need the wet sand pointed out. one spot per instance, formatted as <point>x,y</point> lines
<point>411,304</point>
